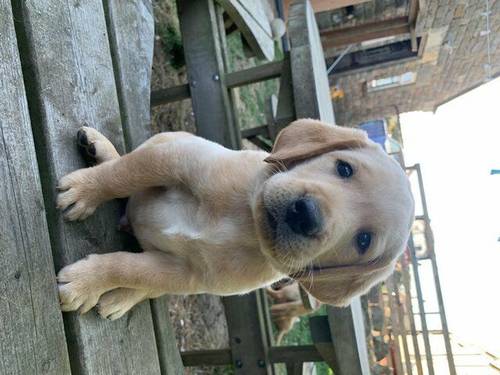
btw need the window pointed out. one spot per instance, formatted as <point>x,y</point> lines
<point>369,57</point>
<point>394,81</point>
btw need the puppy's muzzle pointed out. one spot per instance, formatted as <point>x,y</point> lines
<point>303,216</point>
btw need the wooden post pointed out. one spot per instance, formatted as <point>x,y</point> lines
<point>205,68</point>
<point>247,341</point>
<point>349,340</point>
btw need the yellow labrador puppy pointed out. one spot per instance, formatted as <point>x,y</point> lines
<point>327,207</point>
<point>287,307</point>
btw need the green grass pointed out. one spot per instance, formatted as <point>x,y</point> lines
<point>172,45</point>
<point>300,334</point>
<point>254,99</point>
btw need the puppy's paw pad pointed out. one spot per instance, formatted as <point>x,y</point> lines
<point>93,146</point>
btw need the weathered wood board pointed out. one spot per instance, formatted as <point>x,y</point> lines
<point>131,31</point>
<point>349,340</point>
<point>205,69</point>
<point>31,325</point>
<point>71,79</point>
<point>310,82</point>
<point>253,22</point>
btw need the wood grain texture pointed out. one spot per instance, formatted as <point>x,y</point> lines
<point>168,352</point>
<point>310,82</point>
<point>71,83</point>
<point>349,340</point>
<point>131,32</point>
<point>253,22</point>
<point>205,69</point>
<point>31,325</point>
<point>246,334</point>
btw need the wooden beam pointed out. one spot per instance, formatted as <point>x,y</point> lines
<point>205,70</point>
<point>256,74</point>
<point>349,341</point>
<point>232,80</point>
<point>218,357</point>
<point>290,354</point>
<point>325,5</point>
<point>369,31</point>
<point>170,94</point>
<point>246,336</point>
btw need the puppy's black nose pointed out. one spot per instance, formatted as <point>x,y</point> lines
<point>304,217</point>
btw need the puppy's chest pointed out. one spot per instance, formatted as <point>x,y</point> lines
<point>175,219</point>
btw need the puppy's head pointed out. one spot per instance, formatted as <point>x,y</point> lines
<point>338,213</point>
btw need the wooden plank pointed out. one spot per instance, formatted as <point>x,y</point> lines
<point>252,21</point>
<point>217,357</point>
<point>168,352</point>
<point>349,340</point>
<point>205,69</point>
<point>31,326</point>
<point>246,337</point>
<point>169,95</point>
<point>72,84</point>
<point>131,35</point>
<point>322,338</point>
<point>368,31</point>
<point>131,32</point>
<point>310,83</point>
<point>234,79</point>
<point>256,74</point>
<point>290,354</point>
<point>325,5</point>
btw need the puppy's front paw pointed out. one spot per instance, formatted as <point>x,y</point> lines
<point>116,303</point>
<point>79,285</point>
<point>80,190</point>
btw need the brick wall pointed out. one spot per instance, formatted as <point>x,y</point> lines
<point>452,62</point>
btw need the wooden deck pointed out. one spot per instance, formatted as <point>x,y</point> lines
<point>63,65</point>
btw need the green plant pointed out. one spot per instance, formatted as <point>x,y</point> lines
<point>172,45</point>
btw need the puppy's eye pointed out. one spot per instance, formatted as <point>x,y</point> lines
<point>363,241</point>
<point>344,169</point>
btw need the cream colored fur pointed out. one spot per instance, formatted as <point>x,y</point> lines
<point>198,212</point>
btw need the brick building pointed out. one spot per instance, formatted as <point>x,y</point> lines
<point>408,55</point>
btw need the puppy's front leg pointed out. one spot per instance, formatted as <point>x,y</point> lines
<point>167,159</point>
<point>82,283</point>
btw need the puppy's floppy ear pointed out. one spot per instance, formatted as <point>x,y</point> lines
<point>306,138</point>
<point>338,287</point>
